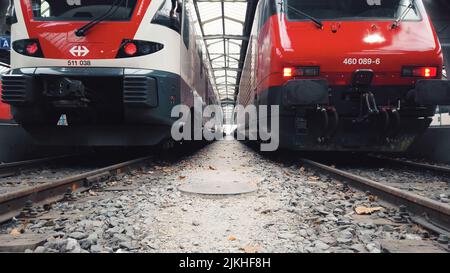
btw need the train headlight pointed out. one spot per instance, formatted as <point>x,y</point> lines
<point>135,48</point>
<point>28,47</point>
<point>288,72</point>
<point>32,48</point>
<point>130,49</point>
<point>420,72</point>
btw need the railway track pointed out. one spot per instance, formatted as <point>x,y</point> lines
<point>13,203</point>
<point>422,210</point>
<point>416,165</point>
<point>426,180</point>
<point>11,169</point>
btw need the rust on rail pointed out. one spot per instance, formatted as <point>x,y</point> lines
<point>12,203</point>
<point>437,212</point>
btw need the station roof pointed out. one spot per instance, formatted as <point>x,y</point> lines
<point>225,26</point>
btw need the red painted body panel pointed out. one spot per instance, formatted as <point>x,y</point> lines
<point>282,43</point>
<point>5,109</point>
<point>103,41</point>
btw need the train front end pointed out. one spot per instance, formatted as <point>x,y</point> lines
<point>93,72</point>
<point>354,75</point>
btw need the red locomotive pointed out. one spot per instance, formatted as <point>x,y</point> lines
<point>348,75</point>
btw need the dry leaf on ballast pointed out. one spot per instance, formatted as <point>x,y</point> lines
<point>250,249</point>
<point>15,232</point>
<point>366,210</point>
<point>313,178</point>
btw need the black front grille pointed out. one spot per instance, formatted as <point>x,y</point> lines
<point>140,91</point>
<point>17,89</point>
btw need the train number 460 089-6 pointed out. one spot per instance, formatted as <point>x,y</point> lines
<point>362,61</point>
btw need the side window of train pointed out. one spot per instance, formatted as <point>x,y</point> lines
<point>200,55</point>
<point>41,8</point>
<point>267,10</point>
<point>207,91</point>
<point>45,9</point>
<point>259,14</point>
<point>264,13</point>
<point>169,15</point>
<point>186,30</point>
<point>10,15</point>
<point>3,15</point>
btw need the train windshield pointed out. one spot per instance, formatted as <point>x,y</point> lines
<point>82,10</point>
<point>352,9</point>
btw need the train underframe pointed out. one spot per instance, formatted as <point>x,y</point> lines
<point>317,117</point>
<point>94,106</point>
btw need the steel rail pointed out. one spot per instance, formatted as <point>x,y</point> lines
<point>437,213</point>
<point>424,166</point>
<point>12,203</point>
<point>7,169</point>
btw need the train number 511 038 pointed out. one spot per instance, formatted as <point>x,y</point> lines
<point>79,63</point>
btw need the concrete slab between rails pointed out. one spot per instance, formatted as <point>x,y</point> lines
<point>219,183</point>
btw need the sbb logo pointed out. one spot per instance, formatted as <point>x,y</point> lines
<point>79,51</point>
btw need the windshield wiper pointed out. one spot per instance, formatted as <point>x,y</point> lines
<point>114,7</point>
<point>402,16</point>
<point>315,20</point>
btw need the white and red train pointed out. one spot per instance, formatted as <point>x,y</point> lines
<point>103,72</point>
<point>348,75</point>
